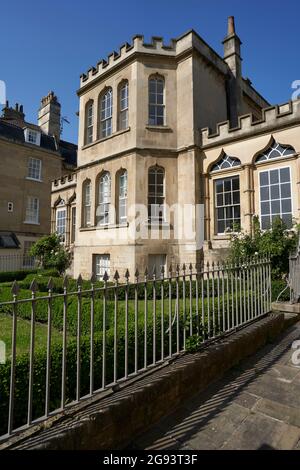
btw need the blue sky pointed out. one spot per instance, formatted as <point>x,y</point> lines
<point>46,45</point>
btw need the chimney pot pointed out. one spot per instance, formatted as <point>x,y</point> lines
<point>231,26</point>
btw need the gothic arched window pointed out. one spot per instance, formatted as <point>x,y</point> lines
<point>275,150</point>
<point>225,161</point>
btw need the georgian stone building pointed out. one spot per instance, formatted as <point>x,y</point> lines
<point>31,156</point>
<point>175,125</point>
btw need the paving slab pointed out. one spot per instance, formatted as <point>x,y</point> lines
<point>256,405</point>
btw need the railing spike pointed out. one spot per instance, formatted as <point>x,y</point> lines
<point>154,272</point>
<point>105,277</point>
<point>127,275</point>
<point>93,278</point>
<point>66,281</point>
<point>50,284</point>
<point>116,276</point>
<point>190,267</point>
<point>79,281</point>
<point>33,286</point>
<point>162,272</point>
<point>146,274</point>
<point>170,270</point>
<point>15,288</point>
<point>137,273</point>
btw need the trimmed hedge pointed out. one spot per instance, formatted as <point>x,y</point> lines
<point>10,276</point>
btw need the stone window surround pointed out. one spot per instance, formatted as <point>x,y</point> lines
<point>239,171</point>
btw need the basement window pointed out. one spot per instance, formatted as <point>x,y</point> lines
<point>8,240</point>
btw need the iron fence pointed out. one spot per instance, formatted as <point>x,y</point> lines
<point>16,262</point>
<point>107,332</point>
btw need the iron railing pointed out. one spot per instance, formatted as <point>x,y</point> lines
<point>108,332</point>
<point>16,262</point>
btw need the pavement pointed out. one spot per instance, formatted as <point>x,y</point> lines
<point>254,406</point>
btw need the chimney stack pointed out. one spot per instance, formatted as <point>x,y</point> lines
<point>49,115</point>
<point>13,115</point>
<point>232,56</point>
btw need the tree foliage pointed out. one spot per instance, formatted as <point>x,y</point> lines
<point>51,253</point>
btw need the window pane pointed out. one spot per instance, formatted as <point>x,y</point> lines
<point>284,175</point>
<point>220,200</point>
<point>235,183</point>
<point>287,219</point>
<point>275,207</point>
<point>236,197</point>
<point>221,226</point>
<point>275,191</point>
<point>219,186</point>
<point>264,194</point>
<point>227,185</point>
<point>265,222</point>
<point>265,208</point>
<point>274,176</point>
<point>286,205</point>
<point>286,190</point>
<point>264,178</point>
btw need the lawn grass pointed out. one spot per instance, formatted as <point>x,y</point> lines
<point>23,334</point>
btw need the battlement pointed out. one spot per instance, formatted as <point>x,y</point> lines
<point>272,117</point>
<point>64,182</point>
<point>137,45</point>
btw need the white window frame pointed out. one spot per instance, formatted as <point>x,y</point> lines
<point>101,265</point>
<point>59,211</point>
<point>34,169</point>
<point>89,122</point>
<point>153,218</point>
<point>32,136</point>
<point>73,224</point>
<point>258,185</point>
<point>104,199</point>
<point>106,112</point>
<point>123,189</point>
<point>224,206</point>
<point>153,121</point>
<point>123,105</point>
<point>32,217</point>
<point>86,199</point>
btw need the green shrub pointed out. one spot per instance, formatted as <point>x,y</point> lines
<point>10,276</point>
<point>277,242</point>
<point>278,286</point>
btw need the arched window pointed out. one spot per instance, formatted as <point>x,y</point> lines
<point>61,219</point>
<point>104,197</point>
<point>156,194</point>
<point>122,194</point>
<point>89,122</point>
<point>123,106</point>
<point>156,101</point>
<point>225,162</point>
<point>86,203</point>
<point>106,113</point>
<point>275,150</point>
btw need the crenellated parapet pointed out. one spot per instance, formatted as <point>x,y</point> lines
<point>64,182</point>
<point>126,50</point>
<point>272,117</point>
